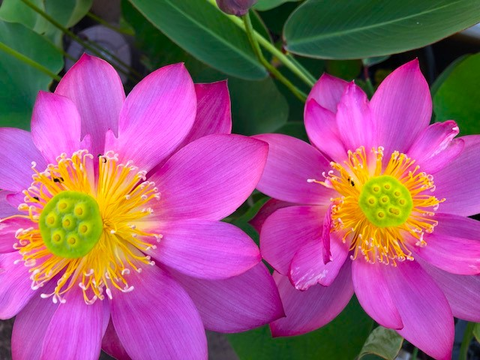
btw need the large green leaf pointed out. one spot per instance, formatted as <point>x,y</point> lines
<point>342,339</point>
<point>382,342</point>
<point>65,12</point>
<point>263,5</point>
<point>206,33</point>
<point>354,29</point>
<point>457,97</point>
<point>20,83</point>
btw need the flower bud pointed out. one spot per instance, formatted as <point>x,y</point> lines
<point>235,7</point>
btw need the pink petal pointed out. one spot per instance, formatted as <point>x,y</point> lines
<point>454,245</point>
<point>354,119</point>
<point>31,325</point>
<point>7,209</point>
<point>401,108</point>
<point>290,164</point>
<point>425,313</point>
<point>322,130</point>
<point>206,249</point>
<point>74,317</point>
<point>373,294</point>
<point>308,267</point>
<point>308,310</point>
<point>265,211</point>
<point>462,292</point>
<point>328,91</point>
<point>111,344</point>
<point>435,147</point>
<point>156,117</point>
<point>8,229</point>
<point>15,285</point>
<point>286,231</point>
<point>97,91</point>
<point>209,178</point>
<point>213,111</point>
<point>165,322</point>
<point>17,152</point>
<point>237,304</point>
<point>55,126</point>
<point>457,182</point>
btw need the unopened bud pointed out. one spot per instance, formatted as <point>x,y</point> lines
<point>235,7</point>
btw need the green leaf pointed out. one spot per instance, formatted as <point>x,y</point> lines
<point>344,69</point>
<point>158,48</point>
<point>66,12</point>
<point>342,339</point>
<point>20,83</point>
<point>263,5</point>
<point>352,29</point>
<point>374,60</point>
<point>385,343</point>
<point>206,33</point>
<point>476,332</point>
<point>457,97</point>
<point>445,74</point>
<point>257,106</point>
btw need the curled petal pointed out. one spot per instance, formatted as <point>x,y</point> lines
<point>435,147</point>
<point>308,310</point>
<point>286,231</point>
<point>456,182</point>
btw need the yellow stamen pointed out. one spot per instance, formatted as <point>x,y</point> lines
<point>376,225</point>
<point>124,200</point>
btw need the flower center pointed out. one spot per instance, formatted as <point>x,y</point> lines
<point>385,201</point>
<point>90,225</point>
<point>379,205</point>
<point>71,224</point>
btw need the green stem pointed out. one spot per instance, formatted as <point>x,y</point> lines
<point>467,339</point>
<point>29,61</point>
<point>107,24</point>
<point>302,68</point>
<point>284,59</point>
<point>94,48</point>
<point>272,69</point>
<point>414,353</point>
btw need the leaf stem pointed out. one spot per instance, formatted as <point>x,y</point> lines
<point>301,73</point>
<point>272,69</point>
<point>29,61</point>
<point>107,24</point>
<point>467,338</point>
<point>414,353</point>
<point>94,48</point>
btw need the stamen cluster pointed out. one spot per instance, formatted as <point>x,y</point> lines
<point>379,206</point>
<point>124,199</point>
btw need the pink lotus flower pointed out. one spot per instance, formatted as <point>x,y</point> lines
<point>378,206</point>
<point>118,183</point>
